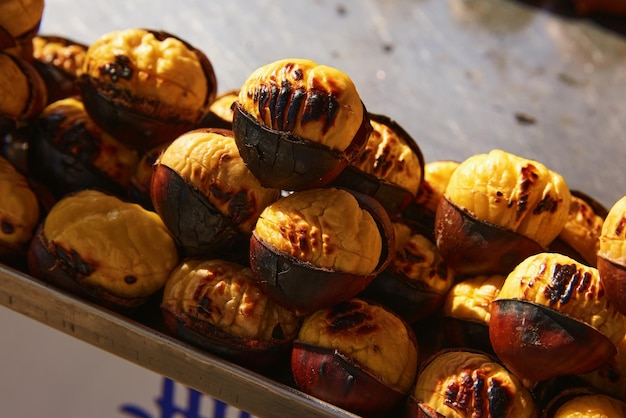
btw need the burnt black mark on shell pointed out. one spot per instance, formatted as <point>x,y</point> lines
<point>7,227</point>
<point>499,399</point>
<point>72,260</point>
<point>345,315</point>
<point>120,68</point>
<point>620,226</point>
<point>547,204</point>
<point>130,279</point>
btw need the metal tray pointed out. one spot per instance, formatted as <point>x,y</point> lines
<point>462,76</point>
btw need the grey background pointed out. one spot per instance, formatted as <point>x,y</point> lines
<point>462,76</point>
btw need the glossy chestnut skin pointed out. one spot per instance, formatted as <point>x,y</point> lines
<point>391,195</point>
<point>121,114</point>
<point>548,337</point>
<point>466,240</point>
<point>304,287</point>
<point>286,161</point>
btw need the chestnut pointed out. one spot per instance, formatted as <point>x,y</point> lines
<point>68,152</point>
<point>298,124</point>
<point>498,209</point>
<point>23,92</point>
<point>220,114</point>
<point>217,305</point>
<point>612,255</point>
<point>19,23</point>
<point>206,195</point>
<point>58,60</point>
<point>417,279</point>
<point>317,247</point>
<point>141,179</point>
<point>19,214</point>
<point>580,236</point>
<point>356,355</point>
<point>584,402</point>
<point>467,311</point>
<point>468,383</point>
<point>552,317</point>
<point>146,87</point>
<point>391,167</point>
<point>103,248</point>
<point>609,378</point>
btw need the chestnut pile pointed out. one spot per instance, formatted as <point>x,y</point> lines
<point>284,227</point>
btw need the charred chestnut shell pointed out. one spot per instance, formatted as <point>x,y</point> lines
<point>282,160</point>
<point>220,114</point>
<point>141,121</point>
<point>386,162</point>
<point>108,270</point>
<point>68,152</point>
<point>303,286</point>
<point>473,247</point>
<point>205,194</point>
<point>326,364</point>
<point>216,305</point>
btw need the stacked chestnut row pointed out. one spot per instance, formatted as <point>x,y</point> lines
<point>285,222</point>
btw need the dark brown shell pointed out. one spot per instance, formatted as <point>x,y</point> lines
<point>328,375</point>
<point>613,277</point>
<point>549,344</point>
<point>473,247</point>
<point>304,287</point>
<point>282,160</point>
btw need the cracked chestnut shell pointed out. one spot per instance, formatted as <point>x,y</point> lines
<point>467,310</point>
<point>552,317</point>
<point>612,255</point>
<point>317,247</point>
<point>146,87</point>
<point>498,209</point>
<point>298,124</point>
<point>102,248</point>
<point>19,214</point>
<point>417,279</point>
<point>68,152</point>
<point>58,60</point>
<point>206,195</point>
<point>390,168</point>
<point>220,114</point>
<point>356,355</point>
<point>218,306</point>
<point>468,383</point>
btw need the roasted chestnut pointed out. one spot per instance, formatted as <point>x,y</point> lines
<point>218,306</point>
<point>580,236</point>
<point>582,402</point>
<point>58,61</point>
<point>416,282</point>
<point>317,247</point>
<point>497,210</point>
<point>104,249</point>
<point>552,317</point>
<point>610,378</point>
<point>468,383</point>
<point>467,310</point>
<point>19,23</point>
<point>612,255</point>
<point>146,87</point>
<point>433,186</point>
<point>220,114</point>
<point>23,92</point>
<point>19,214</point>
<point>206,195</point>
<point>68,152</point>
<point>298,124</point>
<point>141,179</point>
<point>391,167</point>
<point>356,355</point>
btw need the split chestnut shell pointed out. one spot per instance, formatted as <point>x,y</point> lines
<point>356,355</point>
<point>299,124</point>
<point>552,317</point>
<point>317,247</point>
<point>612,255</point>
